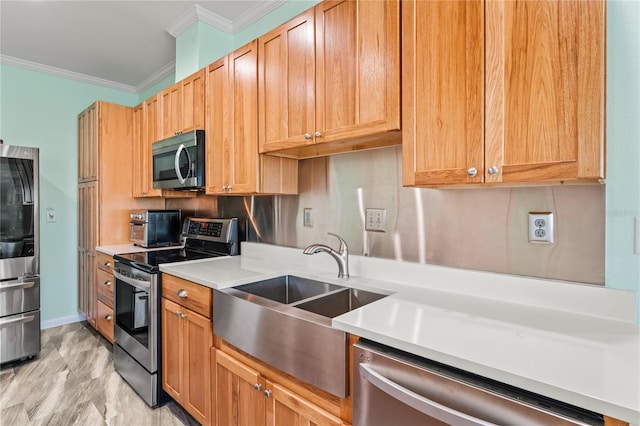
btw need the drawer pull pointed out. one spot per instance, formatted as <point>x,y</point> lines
<point>107,264</point>
<point>257,386</point>
<point>267,393</point>
<point>178,313</point>
<point>182,293</point>
<point>107,317</point>
<point>107,283</point>
<point>183,316</point>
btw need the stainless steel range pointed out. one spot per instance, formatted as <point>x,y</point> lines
<point>136,352</point>
<point>19,253</point>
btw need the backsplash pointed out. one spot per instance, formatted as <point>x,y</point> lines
<point>482,228</point>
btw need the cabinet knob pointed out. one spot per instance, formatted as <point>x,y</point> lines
<point>107,317</point>
<point>493,170</point>
<point>307,136</point>
<point>144,193</point>
<point>257,386</point>
<point>107,283</point>
<point>182,293</point>
<point>318,135</point>
<point>267,393</point>
<point>178,313</point>
<point>472,171</point>
<point>107,264</point>
<point>183,316</point>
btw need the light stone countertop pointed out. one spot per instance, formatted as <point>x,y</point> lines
<point>128,248</point>
<point>575,343</point>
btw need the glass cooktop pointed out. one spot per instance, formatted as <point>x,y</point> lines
<point>149,261</point>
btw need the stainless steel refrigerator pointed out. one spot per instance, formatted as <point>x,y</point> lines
<point>19,253</point>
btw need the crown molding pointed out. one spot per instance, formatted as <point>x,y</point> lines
<point>197,13</point>
<point>255,13</point>
<point>156,77</point>
<point>71,75</point>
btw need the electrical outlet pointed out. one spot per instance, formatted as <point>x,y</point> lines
<point>307,219</point>
<point>541,227</point>
<point>375,220</point>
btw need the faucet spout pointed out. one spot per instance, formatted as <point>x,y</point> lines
<point>341,256</point>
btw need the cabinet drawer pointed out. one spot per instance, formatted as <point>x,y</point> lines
<point>104,321</point>
<point>105,262</point>
<point>105,287</point>
<point>193,296</point>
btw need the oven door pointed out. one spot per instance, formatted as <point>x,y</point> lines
<point>136,313</point>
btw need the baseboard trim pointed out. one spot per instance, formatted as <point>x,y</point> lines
<point>55,322</point>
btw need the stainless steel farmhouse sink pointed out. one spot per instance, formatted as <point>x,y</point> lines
<point>286,322</point>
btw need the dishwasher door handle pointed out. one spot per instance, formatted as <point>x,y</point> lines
<point>419,402</point>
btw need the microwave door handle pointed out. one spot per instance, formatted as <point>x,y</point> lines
<point>424,405</point>
<point>176,164</point>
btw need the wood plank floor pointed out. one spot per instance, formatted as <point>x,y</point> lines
<point>73,382</point>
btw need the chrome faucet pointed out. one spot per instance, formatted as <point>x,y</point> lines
<point>341,256</point>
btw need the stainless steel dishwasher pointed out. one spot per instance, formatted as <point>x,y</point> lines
<point>395,388</point>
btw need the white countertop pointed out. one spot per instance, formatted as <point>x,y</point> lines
<point>128,248</point>
<point>575,343</point>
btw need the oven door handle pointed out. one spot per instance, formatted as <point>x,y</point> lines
<point>419,402</point>
<point>8,322</point>
<point>15,284</point>
<point>176,163</point>
<point>144,285</point>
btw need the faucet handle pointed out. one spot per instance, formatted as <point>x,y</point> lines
<point>344,248</point>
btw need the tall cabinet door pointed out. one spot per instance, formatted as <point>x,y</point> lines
<point>87,240</point>
<point>170,111</point>
<point>443,92</point>
<point>88,144</point>
<point>357,68</point>
<point>193,88</point>
<point>218,123</point>
<point>286,75</point>
<point>545,90</point>
<point>138,151</point>
<point>172,350</point>
<point>198,339</point>
<point>244,94</point>
<point>150,134</point>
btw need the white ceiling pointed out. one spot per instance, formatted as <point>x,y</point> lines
<point>126,43</point>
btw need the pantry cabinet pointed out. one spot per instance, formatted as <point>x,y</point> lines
<point>187,337</point>
<point>233,163</point>
<point>502,92</point>
<point>104,198</point>
<point>329,80</point>
<point>182,106</point>
<point>245,397</point>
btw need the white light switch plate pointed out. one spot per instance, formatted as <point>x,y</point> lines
<point>375,220</point>
<point>307,219</point>
<point>51,215</point>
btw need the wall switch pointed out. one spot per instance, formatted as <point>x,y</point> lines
<point>307,219</point>
<point>375,220</point>
<point>51,214</point>
<point>541,227</point>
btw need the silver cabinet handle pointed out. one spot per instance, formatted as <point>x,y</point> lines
<point>424,405</point>
<point>107,283</point>
<point>107,264</point>
<point>257,386</point>
<point>307,136</point>
<point>183,316</point>
<point>472,171</point>
<point>12,285</point>
<point>178,313</point>
<point>182,293</point>
<point>107,317</point>
<point>267,393</point>
<point>318,134</point>
<point>493,170</point>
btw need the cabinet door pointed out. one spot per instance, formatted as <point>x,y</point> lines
<point>104,320</point>
<point>239,393</point>
<point>545,90</point>
<point>442,92</point>
<point>87,240</point>
<point>88,144</point>
<point>244,113</point>
<point>170,111</point>
<point>138,151</point>
<point>193,88</point>
<point>198,339</point>
<point>150,134</point>
<point>286,84</point>
<point>357,68</point>
<point>172,350</point>
<point>285,408</point>
<point>219,155</point>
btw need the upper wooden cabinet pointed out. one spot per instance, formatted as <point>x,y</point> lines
<point>182,106</point>
<point>329,80</point>
<point>145,131</point>
<point>233,163</point>
<point>502,91</point>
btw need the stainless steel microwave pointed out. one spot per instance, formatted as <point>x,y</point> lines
<point>178,161</point>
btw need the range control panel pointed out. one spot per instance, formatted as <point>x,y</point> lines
<point>217,230</point>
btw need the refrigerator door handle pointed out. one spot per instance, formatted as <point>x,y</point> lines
<point>419,402</point>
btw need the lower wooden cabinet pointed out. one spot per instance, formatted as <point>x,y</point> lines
<point>104,320</point>
<point>242,396</point>
<point>186,341</point>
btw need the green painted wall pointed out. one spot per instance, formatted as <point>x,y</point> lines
<point>187,50</point>
<point>214,44</point>
<point>40,110</point>
<point>162,84</point>
<point>623,144</point>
